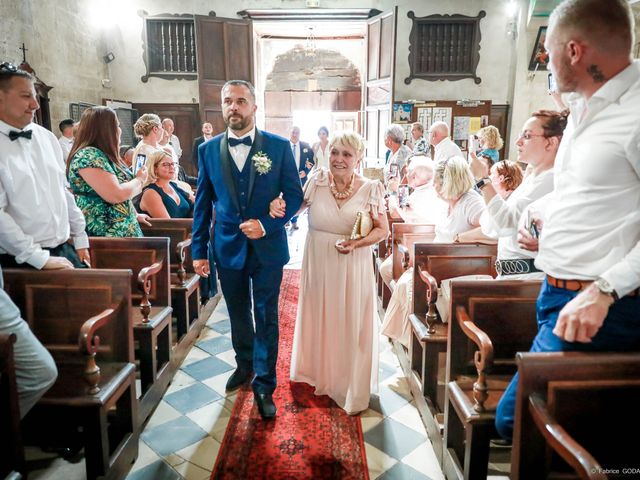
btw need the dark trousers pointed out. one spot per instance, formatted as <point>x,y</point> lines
<point>255,348</point>
<point>65,250</point>
<point>619,332</point>
<point>209,285</point>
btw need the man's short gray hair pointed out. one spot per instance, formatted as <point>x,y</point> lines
<point>441,127</point>
<point>422,167</point>
<point>241,83</point>
<point>395,133</point>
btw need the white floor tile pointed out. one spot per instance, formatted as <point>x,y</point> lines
<point>377,461</point>
<point>212,418</point>
<point>229,357</point>
<point>208,333</point>
<point>146,456</point>
<point>203,453</point>
<point>370,418</point>
<point>409,416</point>
<point>423,459</point>
<point>179,381</point>
<point>174,459</point>
<point>189,471</point>
<point>194,355</point>
<point>164,413</point>
<point>219,382</point>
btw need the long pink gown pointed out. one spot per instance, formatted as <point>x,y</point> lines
<point>335,346</point>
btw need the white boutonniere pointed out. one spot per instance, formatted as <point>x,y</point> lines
<point>262,163</point>
<point>305,150</point>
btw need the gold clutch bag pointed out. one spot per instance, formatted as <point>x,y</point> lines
<point>362,226</point>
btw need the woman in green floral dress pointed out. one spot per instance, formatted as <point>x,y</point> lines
<point>101,182</point>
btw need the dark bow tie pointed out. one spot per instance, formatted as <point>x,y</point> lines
<point>234,142</point>
<point>14,134</point>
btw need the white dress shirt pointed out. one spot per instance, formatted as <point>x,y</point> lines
<point>36,210</point>
<point>295,149</point>
<point>240,152</point>
<point>175,143</point>
<point>502,218</point>
<point>426,206</point>
<point>65,145</point>
<point>445,150</point>
<point>592,223</point>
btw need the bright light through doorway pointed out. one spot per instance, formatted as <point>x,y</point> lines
<point>309,122</point>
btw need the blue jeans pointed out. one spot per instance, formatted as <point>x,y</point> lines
<point>619,332</point>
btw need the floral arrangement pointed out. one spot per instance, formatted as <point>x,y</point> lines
<point>262,163</point>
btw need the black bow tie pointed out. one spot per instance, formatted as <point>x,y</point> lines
<point>234,142</point>
<point>14,134</point>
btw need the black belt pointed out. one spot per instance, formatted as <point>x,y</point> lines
<point>516,267</point>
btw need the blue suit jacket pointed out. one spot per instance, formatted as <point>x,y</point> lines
<point>305,156</point>
<point>216,189</point>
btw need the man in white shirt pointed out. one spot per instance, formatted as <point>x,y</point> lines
<point>590,241</point>
<point>38,214</point>
<point>444,147</point>
<point>174,141</point>
<point>66,139</point>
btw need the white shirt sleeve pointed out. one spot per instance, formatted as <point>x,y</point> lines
<point>77,223</point>
<point>175,143</point>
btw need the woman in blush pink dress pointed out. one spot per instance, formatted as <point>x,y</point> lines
<point>335,345</point>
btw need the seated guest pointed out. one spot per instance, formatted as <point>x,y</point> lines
<point>424,204</point>
<point>443,147</point>
<point>126,154</point>
<point>537,147</point>
<point>162,198</point>
<point>101,182</point>
<point>149,129</point>
<point>505,177</point>
<point>397,163</point>
<point>420,144</point>
<point>36,371</point>
<point>38,214</point>
<point>173,140</point>
<point>453,183</point>
<point>490,142</point>
<point>66,139</point>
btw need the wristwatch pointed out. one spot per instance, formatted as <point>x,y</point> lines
<point>606,288</point>
<point>482,182</point>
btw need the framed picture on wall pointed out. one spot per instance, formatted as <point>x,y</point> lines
<point>539,55</point>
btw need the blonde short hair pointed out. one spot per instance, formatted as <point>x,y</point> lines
<point>348,139</point>
<point>145,124</point>
<point>153,159</point>
<point>455,176</point>
<point>491,137</point>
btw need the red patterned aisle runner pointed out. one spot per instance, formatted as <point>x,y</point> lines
<point>311,437</point>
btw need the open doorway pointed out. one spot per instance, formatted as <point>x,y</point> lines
<point>311,75</point>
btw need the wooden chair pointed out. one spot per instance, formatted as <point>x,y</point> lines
<point>12,453</point>
<point>148,258</point>
<point>185,288</point>
<point>83,317</point>
<point>575,416</point>
<point>494,320</point>
<point>434,262</point>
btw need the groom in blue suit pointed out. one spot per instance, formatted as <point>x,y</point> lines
<point>241,171</point>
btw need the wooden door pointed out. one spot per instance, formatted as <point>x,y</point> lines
<point>186,120</point>
<point>378,93</point>
<point>225,52</point>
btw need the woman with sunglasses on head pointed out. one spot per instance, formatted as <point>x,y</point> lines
<point>537,146</point>
<point>162,197</point>
<point>101,182</point>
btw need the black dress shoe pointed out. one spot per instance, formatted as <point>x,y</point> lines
<point>266,407</point>
<point>238,378</point>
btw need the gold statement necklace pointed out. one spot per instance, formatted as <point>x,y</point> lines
<point>346,193</point>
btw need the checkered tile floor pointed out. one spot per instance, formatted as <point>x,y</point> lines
<point>183,436</point>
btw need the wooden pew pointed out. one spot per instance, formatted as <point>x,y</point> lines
<point>381,251</point>
<point>493,320</point>
<point>185,288</point>
<point>11,451</point>
<point>575,416</point>
<point>434,262</point>
<point>83,317</point>
<point>404,236</point>
<point>148,258</point>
